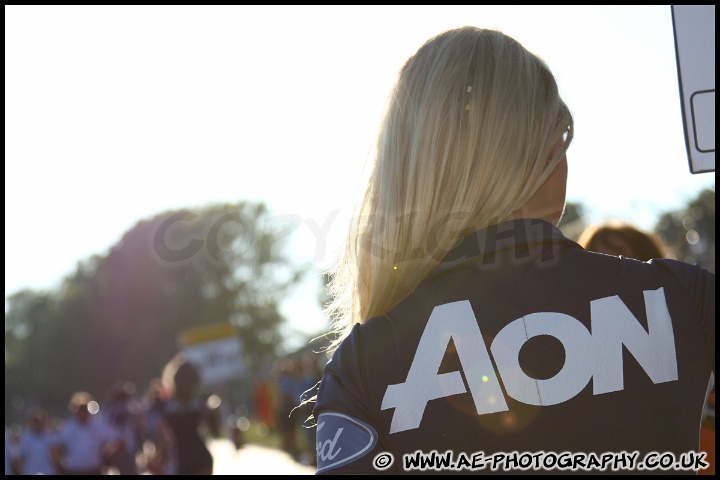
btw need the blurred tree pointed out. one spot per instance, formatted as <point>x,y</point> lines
<point>118,316</point>
<point>41,332</point>
<point>690,232</point>
<point>24,333</point>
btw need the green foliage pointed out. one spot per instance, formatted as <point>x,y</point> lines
<point>118,316</point>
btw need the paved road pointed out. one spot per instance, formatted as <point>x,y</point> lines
<point>254,460</point>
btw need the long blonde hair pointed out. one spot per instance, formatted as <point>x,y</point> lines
<point>472,128</point>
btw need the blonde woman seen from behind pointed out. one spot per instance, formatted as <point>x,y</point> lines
<point>467,324</point>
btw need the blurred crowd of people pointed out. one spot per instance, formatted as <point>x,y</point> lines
<point>163,431</point>
<point>86,442</point>
<point>160,432</point>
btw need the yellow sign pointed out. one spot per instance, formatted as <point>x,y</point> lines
<point>216,350</point>
<point>207,333</point>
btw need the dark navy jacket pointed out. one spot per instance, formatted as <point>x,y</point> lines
<point>522,341</point>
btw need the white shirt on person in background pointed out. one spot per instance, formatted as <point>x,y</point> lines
<point>84,444</point>
<point>36,453</point>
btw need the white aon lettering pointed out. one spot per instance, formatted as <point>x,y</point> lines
<point>597,356</point>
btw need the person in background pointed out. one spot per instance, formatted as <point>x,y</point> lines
<point>83,442</point>
<point>121,415</point>
<point>287,401</point>
<point>36,445</point>
<point>305,379</point>
<point>157,437</point>
<point>620,238</point>
<point>11,454</point>
<point>262,398</point>
<point>185,412</point>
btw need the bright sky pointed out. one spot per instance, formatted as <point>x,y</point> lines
<point>117,113</point>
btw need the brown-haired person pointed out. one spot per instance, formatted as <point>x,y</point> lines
<point>468,323</point>
<point>619,238</point>
<point>184,413</point>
